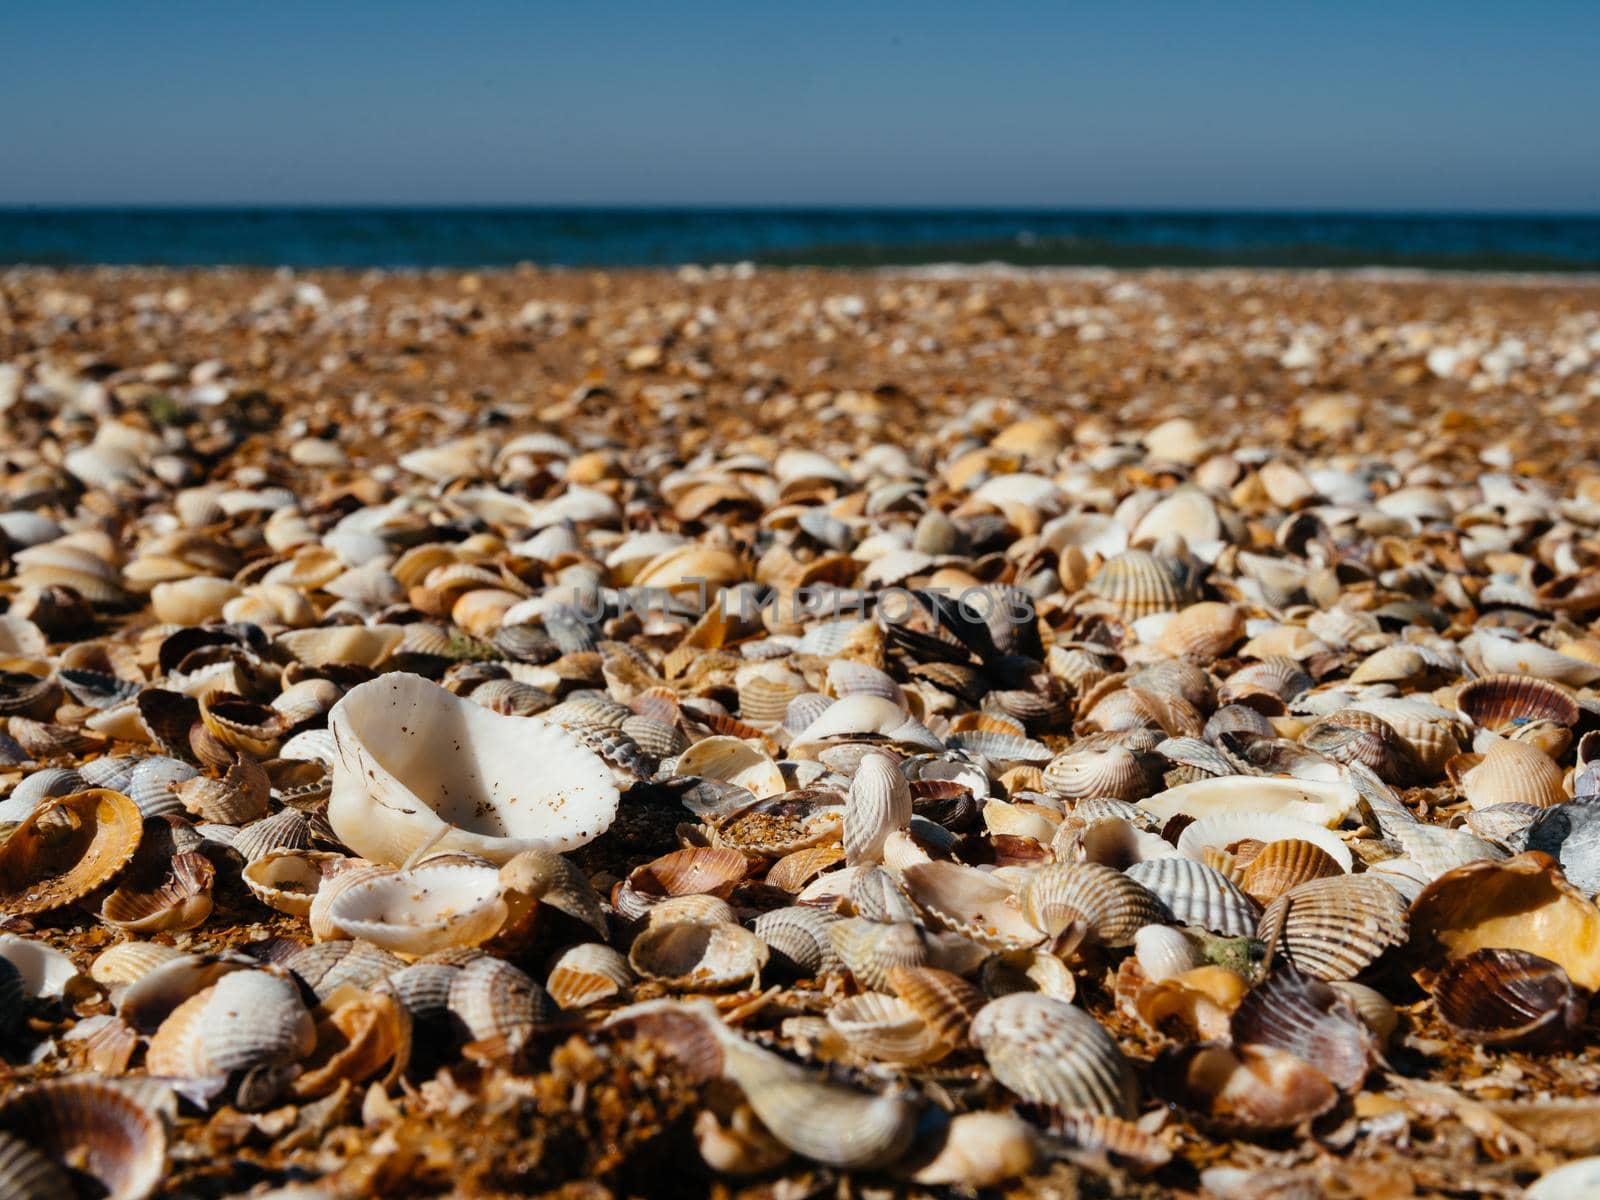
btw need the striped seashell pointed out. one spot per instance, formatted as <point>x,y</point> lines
<point>847,677</point>
<point>1202,632</point>
<point>287,879</point>
<point>42,740</point>
<point>311,745</point>
<point>1106,906</point>
<point>1197,894</point>
<point>1501,702</point>
<point>512,698</point>
<point>239,796</point>
<point>707,909</point>
<point>127,962</point>
<point>698,954</point>
<point>698,870</point>
<point>1374,1009</point>
<point>179,898</point>
<point>1244,1090</point>
<point>328,966</point>
<point>1001,749</point>
<point>287,829</point>
<point>973,903</point>
<point>878,803</point>
<point>1335,928</point>
<point>766,691</point>
<point>1137,583</point>
<point>822,1121</point>
<point>793,871</point>
<point>1268,685</point>
<point>1114,772</point>
<point>1048,1052</point>
<point>1283,865</point>
<point>1513,772</point>
<point>587,974</point>
<point>655,738</point>
<point>798,937</point>
<point>424,989</point>
<point>886,1029</point>
<point>490,998</point>
<point>870,950</point>
<point>255,1018</point>
<point>1352,735</point>
<point>805,710</point>
<point>827,638</point>
<point>875,895</point>
<point>1310,1020</point>
<point>1496,997</point>
<point>100,1129</point>
<point>942,1000</point>
<point>39,786</point>
<point>1129,708</point>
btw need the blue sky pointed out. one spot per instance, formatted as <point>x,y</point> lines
<point>1421,105</point>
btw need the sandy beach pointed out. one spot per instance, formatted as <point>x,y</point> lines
<point>1324,544</point>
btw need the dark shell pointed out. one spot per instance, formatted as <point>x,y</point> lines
<point>1509,998</point>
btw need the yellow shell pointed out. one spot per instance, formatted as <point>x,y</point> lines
<point>66,848</point>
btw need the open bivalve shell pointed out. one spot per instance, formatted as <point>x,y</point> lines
<point>697,954</point>
<point>66,848</point>
<point>85,1126</point>
<point>419,765</point>
<point>1242,1089</point>
<point>1509,998</point>
<point>422,910</point>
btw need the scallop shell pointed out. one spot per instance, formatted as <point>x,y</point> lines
<point>417,765</point>
<point>698,870</point>
<point>1114,772</point>
<point>1202,632</point>
<point>240,796</point>
<point>879,803</point>
<point>733,761</point>
<point>490,998</point>
<point>1196,894</point>
<point>798,937</point>
<point>255,1018</point>
<point>1501,702</point>
<point>972,903</point>
<point>885,1028</point>
<point>423,909</point>
<point>1048,1052</point>
<point>92,1126</point>
<point>588,974</point>
<point>328,966</point>
<point>1335,928</point>
<point>1496,997</point>
<point>700,955</point>
<point>1513,773</point>
<point>1137,583</point>
<point>1109,906</point>
<point>870,950</point>
<point>941,1000</point>
<point>1283,865</point>
<point>66,848</point>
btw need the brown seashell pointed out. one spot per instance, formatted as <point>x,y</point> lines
<point>1311,1021</point>
<point>180,900</point>
<point>972,903</point>
<point>240,796</point>
<point>1281,866</point>
<point>696,954</point>
<point>1242,1089</point>
<point>870,949</point>
<point>1335,928</point>
<point>942,1000</point>
<point>25,695</point>
<point>886,1029</point>
<point>1354,736</point>
<point>358,1035</point>
<point>1195,1004</point>
<point>1501,702</point>
<point>792,872</point>
<point>1100,904</point>
<point>242,724</point>
<point>1513,772</point>
<point>1202,632</point>
<point>1524,903</point>
<point>586,974</point>
<point>87,1126</point>
<point>1497,997</point>
<point>1049,1052</point>
<point>66,848</point>
<point>696,871</point>
<point>1137,583</point>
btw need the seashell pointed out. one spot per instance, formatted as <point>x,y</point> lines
<point>1106,906</point>
<point>417,765</point>
<point>127,962</point>
<point>879,802</point>
<point>1242,1089</point>
<point>793,821</point>
<point>1501,653</point>
<point>1324,804</point>
<point>975,1150</point>
<point>1137,583</point>
<point>1000,749</point>
<point>944,1002</point>
<point>361,645</point>
<point>799,939</point>
<point>1164,951</point>
<point>1334,928</point>
<point>358,1035</point>
<point>695,954</point>
<point>287,879</point>
<point>1310,1020</point>
<point>328,966</point>
<point>733,761</point>
<point>490,998</point>
<point>540,877</point>
<point>148,1001</point>
<point>40,785</point>
<point>822,1121</point>
<point>179,898</point>
<point>793,871</point>
<point>869,950</point>
<point>972,903</point>
<point>586,974</point>
<point>1202,632</point>
<point>858,717</point>
<point>1501,702</point>
<point>1283,865</point>
<point>241,724</point>
<point>699,870</point>
<point>1192,1005</point>
<point>241,795</point>
<point>1223,830</point>
<point>1351,735</point>
<point>25,695</point>
<point>1523,903</point>
<point>1513,773</point>
<point>422,909</point>
<point>252,1019</point>
<point>77,1126</point>
<point>1048,1052</point>
<point>1196,894</point>
<point>1114,772</point>
<point>1570,1181</point>
<point>287,829</point>
<point>1268,685</point>
<point>1497,997</point>
<point>66,848</point>
<point>886,1029</point>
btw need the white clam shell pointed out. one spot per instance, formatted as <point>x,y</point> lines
<point>418,765</point>
<point>879,803</point>
<point>420,911</point>
<point>255,1018</point>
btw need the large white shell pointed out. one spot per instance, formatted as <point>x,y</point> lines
<point>1324,804</point>
<point>419,765</point>
<point>429,908</point>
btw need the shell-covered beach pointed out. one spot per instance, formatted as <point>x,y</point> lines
<point>737,732</point>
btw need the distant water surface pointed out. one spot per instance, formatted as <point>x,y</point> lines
<point>617,237</point>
